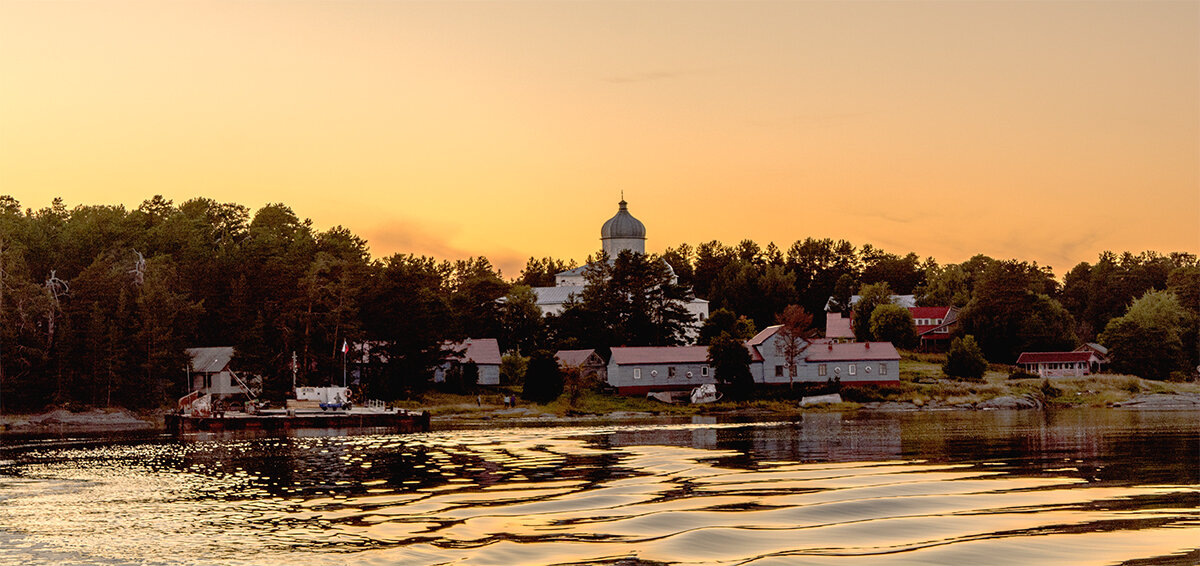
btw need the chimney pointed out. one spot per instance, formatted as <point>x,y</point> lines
<point>868,345</point>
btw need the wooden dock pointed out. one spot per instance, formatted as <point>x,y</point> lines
<point>396,421</point>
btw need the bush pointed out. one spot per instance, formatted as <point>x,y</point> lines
<point>965,360</point>
<point>1022,374</point>
<point>874,392</point>
<point>1048,390</point>
<point>512,369</point>
<point>543,378</point>
<point>893,323</point>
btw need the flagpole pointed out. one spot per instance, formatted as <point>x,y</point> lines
<point>345,350</point>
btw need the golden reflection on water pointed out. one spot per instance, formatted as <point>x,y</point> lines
<point>995,489</point>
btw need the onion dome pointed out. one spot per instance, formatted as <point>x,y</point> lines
<point>623,226</point>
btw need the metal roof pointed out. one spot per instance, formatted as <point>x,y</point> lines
<point>852,352</point>
<point>210,360</point>
<point>763,335</point>
<point>837,326</point>
<point>555,295</point>
<point>622,355</point>
<point>623,225</point>
<point>479,350</point>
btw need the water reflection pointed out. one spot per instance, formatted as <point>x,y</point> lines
<point>955,487</point>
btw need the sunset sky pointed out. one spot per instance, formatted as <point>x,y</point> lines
<point>1044,131</point>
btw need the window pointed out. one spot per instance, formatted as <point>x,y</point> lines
<point>671,371</point>
<point>702,317</point>
<point>637,373</point>
<point>778,371</point>
<point>851,370</point>
<point>882,369</point>
<point>704,371</point>
<point>821,370</point>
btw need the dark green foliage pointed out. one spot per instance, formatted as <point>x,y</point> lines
<point>512,368</point>
<point>541,272</point>
<point>521,322</point>
<point>630,301</point>
<point>1011,312</point>
<point>839,302</point>
<point>731,361</point>
<point>1148,340</point>
<point>407,311</point>
<point>1022,374</point>
<point>724,321</point>
<point>902,274</point>
<point>1048,390</point>
<point>268,283</point>
<point>873,392</point>
<point>870,296</point>
<point>893,323</point>
<point>543,378</point>
<point>965,359</point>
<point>1096,294</point>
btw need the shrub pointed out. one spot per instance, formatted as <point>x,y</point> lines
<point>965,360</point>
<point>1048,390</point>
<point>512,368</point>
<point>543,378</point>
<point>1180,377</point>
<point>873,392</point>
<point>1022,374</point>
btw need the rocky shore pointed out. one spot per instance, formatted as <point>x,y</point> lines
<point>62,420</point>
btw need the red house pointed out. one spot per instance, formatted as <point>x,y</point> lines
<point>934,326</point>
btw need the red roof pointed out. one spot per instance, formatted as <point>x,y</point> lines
<point>1053,357</point>
<point>853,351</point>
<point>837,326</point>
<point>929,312</point>
<point>946,314</point>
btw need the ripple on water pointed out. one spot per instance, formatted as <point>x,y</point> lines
<point>721,494</point>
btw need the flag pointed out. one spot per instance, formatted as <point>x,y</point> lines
<point>345,347</point>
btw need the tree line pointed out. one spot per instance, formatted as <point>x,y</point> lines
<point>98,303</point>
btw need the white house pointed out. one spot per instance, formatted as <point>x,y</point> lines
<point>483,352</point>
<point>639,370</point>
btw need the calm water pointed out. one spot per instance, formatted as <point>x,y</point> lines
<point>1073,487</point>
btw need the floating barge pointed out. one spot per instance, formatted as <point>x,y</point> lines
<point>396,421</point>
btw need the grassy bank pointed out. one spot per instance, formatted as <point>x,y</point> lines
<point>922,385</point>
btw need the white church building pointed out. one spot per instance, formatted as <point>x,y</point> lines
<point>621,232</point>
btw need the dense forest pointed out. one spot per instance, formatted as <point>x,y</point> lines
<point>98,303</point>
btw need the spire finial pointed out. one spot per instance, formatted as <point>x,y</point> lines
<point>622,203</point>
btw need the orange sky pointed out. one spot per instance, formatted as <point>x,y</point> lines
<point>1045,131</point>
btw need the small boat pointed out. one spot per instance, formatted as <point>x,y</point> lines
<point>706,393</point>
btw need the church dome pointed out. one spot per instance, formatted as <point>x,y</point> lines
<point>623,226</point>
